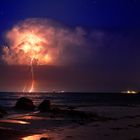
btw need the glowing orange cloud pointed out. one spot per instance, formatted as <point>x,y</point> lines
<point>42,41</point>
<point>26,45</point>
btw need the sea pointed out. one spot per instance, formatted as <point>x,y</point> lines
<point>9,99</point>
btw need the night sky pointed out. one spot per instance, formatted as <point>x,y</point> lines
<point>112,33</point>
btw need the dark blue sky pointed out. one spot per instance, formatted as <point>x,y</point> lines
<point>94,13</point>
<point>115,65</point>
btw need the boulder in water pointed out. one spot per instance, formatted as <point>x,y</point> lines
<point>24,103</point>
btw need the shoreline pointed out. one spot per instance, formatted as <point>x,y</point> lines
<point>27,121</point>
<point>125,124</point>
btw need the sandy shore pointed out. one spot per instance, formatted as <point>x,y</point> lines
<point>122,123</point>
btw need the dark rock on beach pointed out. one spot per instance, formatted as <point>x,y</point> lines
<point>70,112</point>
<point>45,106</point>
<point>24,104</point>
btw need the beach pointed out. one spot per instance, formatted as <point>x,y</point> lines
<point>122,123</point>
<point>84,121</point>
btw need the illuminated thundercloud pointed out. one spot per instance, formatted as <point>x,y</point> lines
<point>43,42</point>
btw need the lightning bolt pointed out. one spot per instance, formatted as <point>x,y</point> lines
<point>32,76</point>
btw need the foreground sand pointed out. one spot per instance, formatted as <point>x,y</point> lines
<point>123,123</point>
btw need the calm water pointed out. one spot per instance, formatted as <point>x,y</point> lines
<point>78,99</point>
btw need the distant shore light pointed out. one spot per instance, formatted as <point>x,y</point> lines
<point>130,92</point>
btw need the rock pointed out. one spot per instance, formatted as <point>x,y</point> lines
<point>44,138</point>
<point>45,106</point>
<point>24,104</point>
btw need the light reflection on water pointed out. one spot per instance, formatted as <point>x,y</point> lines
<point>33,118</point>
<point>35,137</point>
<point>14,121</point>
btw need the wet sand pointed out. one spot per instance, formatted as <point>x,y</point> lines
<point>122,123</point>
